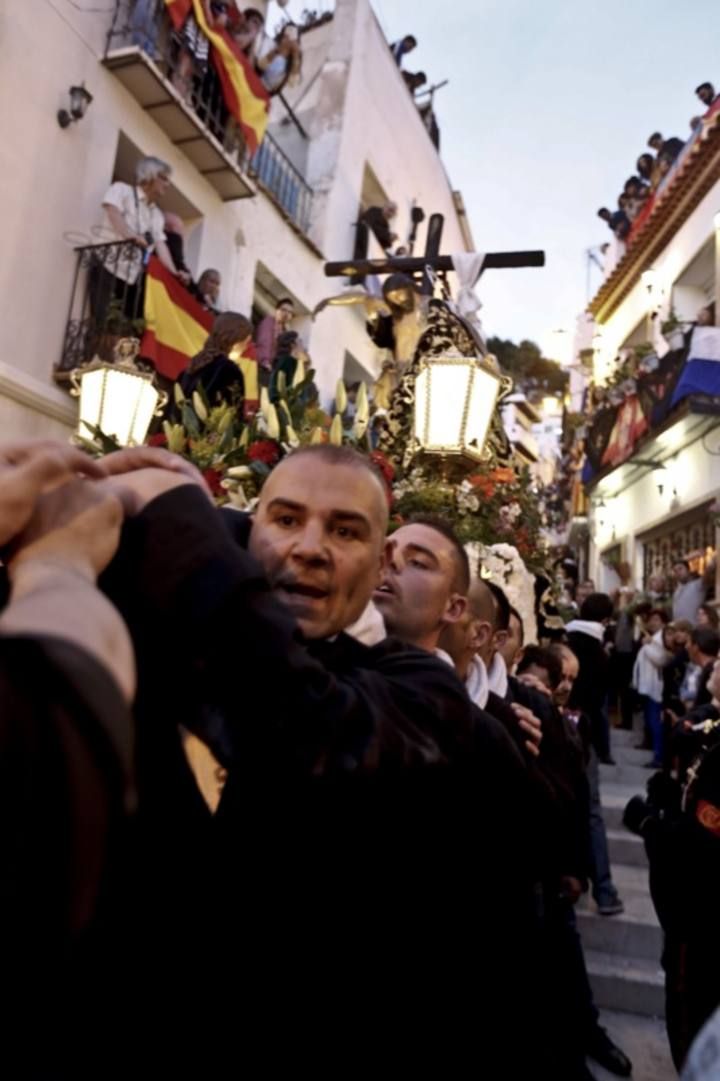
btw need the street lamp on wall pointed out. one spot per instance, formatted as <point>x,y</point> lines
<point>455,398</point>
<point>80,98</point>
<point>118,399</point>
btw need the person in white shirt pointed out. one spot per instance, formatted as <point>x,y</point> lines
<point>131,215</point>
<point>690,592</point>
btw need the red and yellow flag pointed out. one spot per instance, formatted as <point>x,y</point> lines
<point>245,96</point>
<point>178,10</point>
<point>177,325</point>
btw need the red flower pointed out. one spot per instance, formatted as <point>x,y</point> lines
<point>483,485</point>
<point>386,470</point>
<point>264,450</point>
<point>503,475</point>
<point>212,479</point>
<point>382,463</point>
<point>157,440</point>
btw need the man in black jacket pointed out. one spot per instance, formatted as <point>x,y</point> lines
<point>349,870</point>
<point>585,639</point>
<point>67,678</point>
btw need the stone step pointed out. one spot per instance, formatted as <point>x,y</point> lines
<point>614,799</point>
<point>644,1041</point>
<point>624,737</point>
<point>634,933</point>
<point>630,985</point>
<point>625,847</point>
<point>628,756</point>
<point>627,775</point>
<point>631,879</point>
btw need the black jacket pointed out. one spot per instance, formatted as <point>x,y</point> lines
<point>591,686</point>
<point>371,843</point>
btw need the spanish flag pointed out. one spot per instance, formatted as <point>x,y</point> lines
<point>177,325</point>
<point>245,96</point>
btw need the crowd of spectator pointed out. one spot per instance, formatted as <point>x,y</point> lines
<point>185,53</point>
<point>651,171</point>
<point>657,650</point>
<point>137,228</point>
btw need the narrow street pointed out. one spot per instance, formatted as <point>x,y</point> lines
<point>623,952</point>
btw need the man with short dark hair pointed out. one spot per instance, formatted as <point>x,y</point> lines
<point>703,649</point>
<point>401,48</point>
<point>706,94</point>
<point>585,638</point>
<point>690,592</point>
<point>267,333</point>
<point>618,222</point>
<point>665,148</point>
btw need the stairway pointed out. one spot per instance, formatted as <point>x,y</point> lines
<point>623,952</point>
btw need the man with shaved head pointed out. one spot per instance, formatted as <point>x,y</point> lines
<point>350,850</point>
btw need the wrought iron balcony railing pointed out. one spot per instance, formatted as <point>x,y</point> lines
<point>151,60</point>
<point>106,303</point>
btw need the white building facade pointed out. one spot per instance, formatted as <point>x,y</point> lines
<point>352,138</point>
<point>652,489</point>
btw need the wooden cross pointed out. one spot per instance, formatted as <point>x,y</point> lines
<point>431,260</point>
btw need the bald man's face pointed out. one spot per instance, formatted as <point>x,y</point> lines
<point>319,533</point>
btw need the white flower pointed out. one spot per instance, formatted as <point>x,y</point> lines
<point>503,564</point>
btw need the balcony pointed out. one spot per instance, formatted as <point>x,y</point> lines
<point>694,173</point>
<point>649,419</point>
<point>142,51</point>
<point>282,182</point>
<point>103,308</point>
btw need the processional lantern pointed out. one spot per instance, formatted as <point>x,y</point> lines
<point>119,399</point>
<point>455,398</point>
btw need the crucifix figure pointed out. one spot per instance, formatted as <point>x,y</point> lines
<point>397,320</point>
<point>407,320</point>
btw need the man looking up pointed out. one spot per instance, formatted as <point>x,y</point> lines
<point>468,641</point>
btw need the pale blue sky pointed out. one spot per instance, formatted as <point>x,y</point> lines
<point>550,102</point>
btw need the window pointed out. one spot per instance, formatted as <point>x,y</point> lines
<point>695,287</point>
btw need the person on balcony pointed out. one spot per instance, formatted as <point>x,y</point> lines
<point>644,166</point>
<point>132,214</point>
<point>175,238</point>
<point>268,333</point>
<point>666,148</point>
<point>195,47</point>
<point>247,30</point>
<point>617,222</point>
<point>207,289</point>
<point>401,48</point>
<point>281,64</point>
<point>706,93</point>
<point>212,369</point>
<point>635,192</point>
<point>378,219</point>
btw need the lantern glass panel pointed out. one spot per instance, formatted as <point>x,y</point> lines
<point>482,405</point>
<point>448,392</point>
<point>119,403</point>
